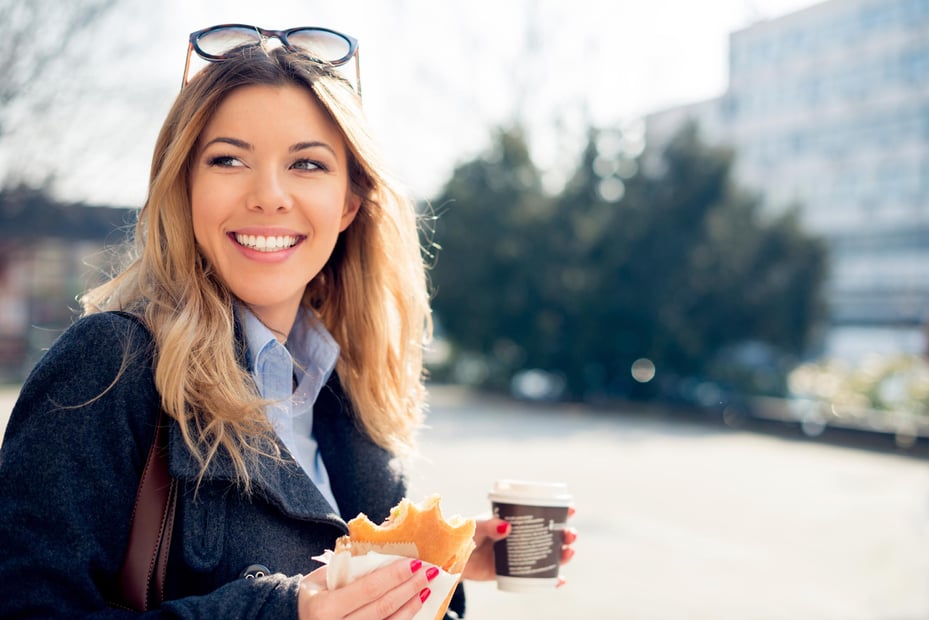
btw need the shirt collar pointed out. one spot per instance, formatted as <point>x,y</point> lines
<point>311,346</point>
<point>314,349</point>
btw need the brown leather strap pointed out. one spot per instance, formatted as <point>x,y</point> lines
<point>150,529</point>
<point>161,565</point>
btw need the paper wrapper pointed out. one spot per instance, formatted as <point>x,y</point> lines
<point>344,568</point>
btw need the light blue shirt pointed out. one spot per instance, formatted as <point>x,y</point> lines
<point>308,359</point>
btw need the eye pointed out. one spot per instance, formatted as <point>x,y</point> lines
<point>309,164</point>
<point>223,161</point>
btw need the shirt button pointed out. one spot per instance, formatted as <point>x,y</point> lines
<point>255,570</point>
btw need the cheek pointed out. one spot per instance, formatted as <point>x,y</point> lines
<point>198,216</point>
<point>205,213</point>
<point>208,237</point>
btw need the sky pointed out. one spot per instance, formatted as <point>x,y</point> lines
<point>437,78</point>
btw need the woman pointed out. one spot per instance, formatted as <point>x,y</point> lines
<point>275,309</point>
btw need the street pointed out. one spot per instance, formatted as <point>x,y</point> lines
<point>681,520</point>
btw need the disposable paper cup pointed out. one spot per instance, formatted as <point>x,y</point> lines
<point>528,559</point>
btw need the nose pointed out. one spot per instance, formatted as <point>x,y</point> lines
<point>269,192</point>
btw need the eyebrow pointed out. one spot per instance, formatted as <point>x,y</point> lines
<point>299,146</point>
<point>242,144</point>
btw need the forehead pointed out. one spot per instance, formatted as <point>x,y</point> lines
<point>264,113</point>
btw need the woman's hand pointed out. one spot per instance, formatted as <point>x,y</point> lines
<point>480,566</point>
<point>396,591</point>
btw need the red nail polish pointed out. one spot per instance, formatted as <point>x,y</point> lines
<point>431,572</point>
<point>424,594</point>
<point>415,565</point>
<point>567,554</point>
<point>503,528</point>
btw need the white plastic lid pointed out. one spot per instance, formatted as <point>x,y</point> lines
<point>531,493</point>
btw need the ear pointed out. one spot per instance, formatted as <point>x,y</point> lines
<point>352,205</point>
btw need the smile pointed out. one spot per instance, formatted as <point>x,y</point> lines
<point>261,243</point>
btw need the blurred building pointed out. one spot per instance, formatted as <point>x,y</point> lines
<point>49,254</point>
<point>828,108</point>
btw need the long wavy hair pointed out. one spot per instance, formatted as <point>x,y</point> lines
<point>371,294</point>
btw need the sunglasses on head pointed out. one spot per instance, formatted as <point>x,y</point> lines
<point>218,43</point>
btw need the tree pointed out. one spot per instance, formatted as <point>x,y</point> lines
<point>483,279</point>
<point>676,266</point>
<point>46,51</point>
<point>36,36</point>
<point>722,273</point>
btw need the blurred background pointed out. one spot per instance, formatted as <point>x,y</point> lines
<point>678,250</point>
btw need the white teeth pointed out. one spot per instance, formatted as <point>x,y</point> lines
<point>266,244</point>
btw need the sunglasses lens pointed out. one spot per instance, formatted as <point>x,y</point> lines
<point>223,40</point>
<point>321,45</point>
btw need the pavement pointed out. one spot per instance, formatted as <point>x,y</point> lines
<point>688,520</point>
<point>692,520</point>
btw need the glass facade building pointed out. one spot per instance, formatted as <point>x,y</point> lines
<point>828,108</point>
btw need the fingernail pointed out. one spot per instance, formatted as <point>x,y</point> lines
<point>415,565</point>
<point>431,572</point>
<point>503,528</point>
<point>424,594</point>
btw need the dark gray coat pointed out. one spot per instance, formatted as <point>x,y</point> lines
<point>69,469</point>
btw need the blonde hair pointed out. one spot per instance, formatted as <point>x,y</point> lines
<point>371,294</point>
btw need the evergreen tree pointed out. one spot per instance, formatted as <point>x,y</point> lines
<point>487,250</point>
<point>678,267</point>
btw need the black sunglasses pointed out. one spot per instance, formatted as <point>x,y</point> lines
<point>322,45</point>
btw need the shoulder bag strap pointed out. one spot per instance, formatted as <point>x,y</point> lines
<point>142,576</point>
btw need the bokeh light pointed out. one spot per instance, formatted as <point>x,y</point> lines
<point>643,370</point>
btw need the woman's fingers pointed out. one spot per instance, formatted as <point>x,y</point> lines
<point>490,529</point>
<point>396,591</point>
<point>569,536</point>
<point>481,565</point>
<point>384,592</point>
<point>412,606</point>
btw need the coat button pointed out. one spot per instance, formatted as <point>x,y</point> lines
<point>255,570</point>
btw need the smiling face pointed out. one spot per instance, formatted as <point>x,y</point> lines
<point>269,196</point>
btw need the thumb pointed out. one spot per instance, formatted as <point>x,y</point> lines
<point>493,529</point>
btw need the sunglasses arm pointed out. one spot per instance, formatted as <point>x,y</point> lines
<point>190,50</point>
<point>357,72</point>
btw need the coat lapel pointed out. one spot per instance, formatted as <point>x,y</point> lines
<point>364,477</point>
<point>282,484</point>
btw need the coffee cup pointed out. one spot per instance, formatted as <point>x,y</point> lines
<point>529,558</point>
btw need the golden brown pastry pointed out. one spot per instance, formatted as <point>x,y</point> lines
<point>416,531</point>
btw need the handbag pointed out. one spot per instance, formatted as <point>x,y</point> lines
<point>141,580</point>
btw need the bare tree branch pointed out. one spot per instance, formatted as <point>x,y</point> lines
<point>38,38</point>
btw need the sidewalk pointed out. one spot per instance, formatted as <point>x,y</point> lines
<point>695,521</point>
